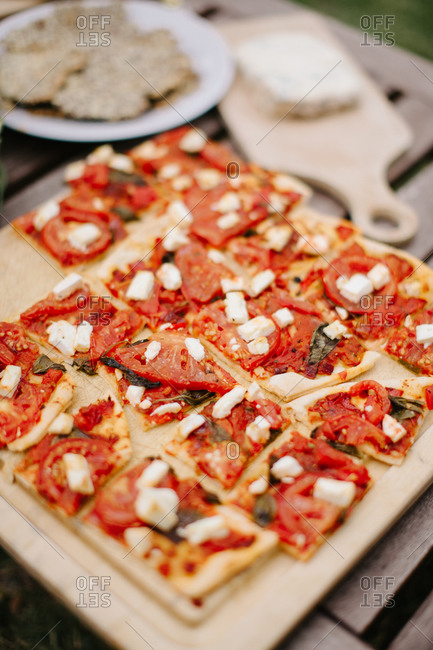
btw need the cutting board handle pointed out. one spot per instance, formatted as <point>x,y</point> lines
<point>378,203</point>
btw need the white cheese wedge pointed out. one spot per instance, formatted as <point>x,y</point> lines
<point>193,141</point>
<point>145,404</point>
<point>342,313</point>
<point>283,183</point>
<point>335,330</point>
<point>157,507</point>
<point>62,335</point>
<point>379,276</point>
<point>10,378</point>
<point>78,474</point>
<point>412,288</point>
<point>175,239</point>
<point>122,163</point>
<point>259,430</point>
<point>83,336</point>
<point>83,236</point>
<point>256,327</point>
<point>392,428</point>
<point>254,392</point>
<point>216,256</point>
<point>68,286</point>
<point>259,486</point>
<point>356,287</point>
<point>141,287</point>
<point>228,220</point>
<point>45,213</point>
<point>259,345</point>
<point>232,284</point>
<point>169,276</point>
<point>223,407</point>
<point>207,179</point>
<point>178,211</point>
<point>134,394</point>
<point>172,407</point>
<point>98,203</point>
<point>188,425</point>
<point>276,203</point>
<point>138,539</point>
<point>276,238</point>
<point>152,350</point>
<point>153,474</point>
<point>228,202</point>
<point>236,307</point>
<point>260,282</point>
<point>102,154</point>
<point>340,493</point>
<point>424,334</point>
<point>313,245</point>
<point>283,316</point>
<point>74,170</point>
<point>150,151</point>
<point>62,425</point>
<point>286,466</point>
<point>203,530</point>
<point>182,182</point>
<point>169,171</point>
<point>195,348</point>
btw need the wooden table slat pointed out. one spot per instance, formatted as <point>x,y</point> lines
<point>321,631</point>
<point>418,631</point>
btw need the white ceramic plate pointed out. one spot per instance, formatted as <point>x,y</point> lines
<point>208,53</point>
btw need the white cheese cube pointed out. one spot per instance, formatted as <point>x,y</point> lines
<point>195,348</point>
<point>141,287</point>
<point>203,530</point>
<point>138,539</point>
<point>122,163</point>
<point>62,424</point>
<point>236,307</point>
<point>259,486</point>
<point>276,238</point>
<point>188,425</point>
<point>424,334</point>
<point>182,182</point>
<point>150,151</point>
<point>98,203</point>
<point>157,507</point>
<point>152,350</point>
<point>45,213</point>
<point>62,335</point>
<point>102,154</point>
<point>223,407</point>
<point>340,493</point>
<point>178,211</point>
<point>283,317</point>
<point>216,256</point>
<point>260,345</point>
<point>74,170</point>
<point>228,202</point>
<point>342,313</point>
<point>256,327</point>
<point>134,394</point>
<point>171,407</point>
<point>335,330</point>
<point>254,392</point>
<point>392,428</point>
<point>10,378</point>
<point>412,288</point>
<point>83,336</point>
<point>260,282</point>
<point>83,236</point>
<point>232,284</point>
<point>355,287</point>
<point>313,245</point>
<point>379,276</point>
<point>145,404</point>
<point>276,203</point>
<point>286,466</point>
<point>68,286</point>
<point>259,430</point>
<point>78,474</point>
<point>228,220</point>
<point>153,474</point>
<point>169,171</point>
<point>282,183</point>
<point>207,179</point>
<point>174,239</point>
<point>193,141</point>
<point>169,276</point>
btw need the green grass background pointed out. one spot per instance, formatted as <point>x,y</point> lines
<point>27,611</point>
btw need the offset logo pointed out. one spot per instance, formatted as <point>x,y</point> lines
<point>93,591</point>
<point>376,591</point>
<point>379,27</point>
<point>90,31</point>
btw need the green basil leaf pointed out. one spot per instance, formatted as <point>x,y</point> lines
<point>409,366</point>
<point>218,433</point>
<point>116,176</point>
<point>44,363</point>
<point>84,365</point>
<point>265,509</point>
<point>321,345</point>
<point>131,376</point>
<point>126,214</point>
<point>347,449</point>
<point>405,409</point>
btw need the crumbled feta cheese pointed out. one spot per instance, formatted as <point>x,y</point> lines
<point>424,334</point>
<point>282,183</point>
<point>68,286</point>
<point>83,236</point>
<point>78,474</point>
<point>283,317</point>
<point>260,345</point>
<point>169,276</point>
<point>172,407</point>
<point>134,394</point>
<point>207,179</point>
<point>188,425</point>
<point>193,141</point>
<point>145,404</point>
<point>138,539</point>
<point>313,245</point>
<point>223,407</point>
<point>286,466</point>
<point>412,288</point>
<point>195,348</point>
<point>102,154</point>
<point>259,431</point>
<point>335,330</point>
<point>392,428</point>
<point>141,287</point>
<point>340,493</point>
<point>228,220</point>
<point>175,239</point>
<point>260,282</point>
<point>150,151</point>
<point>157,507</point>
<point>259,486</point>
<point>169,171</point>
<point>276,238</point>
<point>379,276</point>
<point>182,182</point>
<point>254,392</point>
<point>228,202</point>
<point>236,307</point>
<point>202,530</point>
<point>61,335</point>
<point>216,256</point>
<point>355,287</point>
<point>83,336</point>
<point>232,284</point>
<point>62,425</point>
<point>118,374</point>
<point>45,213</point>
<point>152,350</point>
<point>10,378</point>
<point>256,327</point>
<point>98,203</point>
<point>342,313</point>
<point>408,321</point>
<point>153,474</point>
<point>74,170</point>
<point>122,163</point>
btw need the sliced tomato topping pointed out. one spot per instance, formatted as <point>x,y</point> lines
<point>335,404</point>
<point>88,417</point>
<point>201,277</point>
<point>55,238</point>
<point>429,397</point>
<point>15,348</point>
<point>403,345</point>
<point>377,403</point>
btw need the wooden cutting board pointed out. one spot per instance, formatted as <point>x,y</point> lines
<point>346,153</point>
